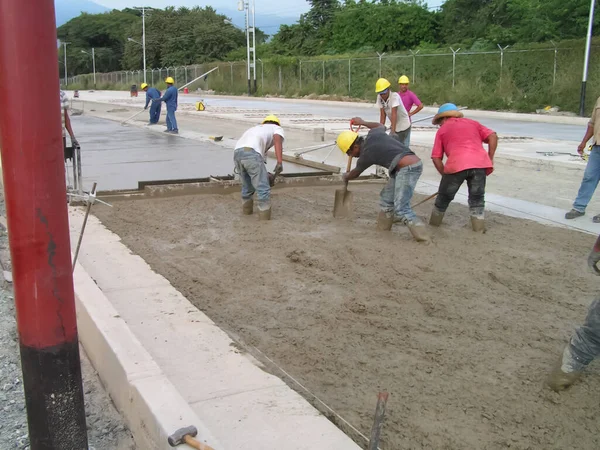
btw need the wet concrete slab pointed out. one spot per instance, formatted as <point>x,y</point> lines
<point>118,157</point>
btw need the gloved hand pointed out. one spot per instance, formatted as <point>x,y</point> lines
<point>345,177</point>
<point>278,169</point>
<point>593,260</point>
<point>75,143</point>
<point>145,108</point>
<point>271,179</point>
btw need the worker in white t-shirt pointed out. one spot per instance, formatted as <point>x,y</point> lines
<point>250,157</point>
<point>391,107</point>
<point>66,120</point>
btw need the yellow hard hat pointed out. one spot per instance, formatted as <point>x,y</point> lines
<point>169,80</point>
<point>144,85</point>
<point>381,85</point>
<point>272,118</point>
<point>403,80</point>
<point>345,140</point>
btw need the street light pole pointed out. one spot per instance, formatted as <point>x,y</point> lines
<point>143,9</point>
<point>254,42</point>
<point>586,59</point>
<point>93,63</point>
<point>65,55</point>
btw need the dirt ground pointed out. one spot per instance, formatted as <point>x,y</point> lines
<point>461,332</point>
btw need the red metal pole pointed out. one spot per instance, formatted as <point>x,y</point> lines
<point>35,194</point>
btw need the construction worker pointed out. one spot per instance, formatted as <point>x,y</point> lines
<point>584,344</point>
<point>591,176</point>
<point>461,141</point>
<point>405,169</point>
<point>170,99</point>
<point>409,100</point>
<point>391,107</point>
<point>151,94</point>
<point>250,158</point>
<point>67,128</point>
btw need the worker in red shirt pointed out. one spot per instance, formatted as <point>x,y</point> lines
<point>461,141</point>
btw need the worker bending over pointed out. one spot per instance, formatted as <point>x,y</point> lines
<point>151,94</point>
<point>461,141</point>
<point>170,99</point>
<point>584,345</point>
<point>250,158</point>
<point>390,106</point>
<point>405,169</point>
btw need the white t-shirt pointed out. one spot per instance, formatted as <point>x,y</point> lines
<point>64,104</point>
<point>260,138</point>
<point>402,121</point>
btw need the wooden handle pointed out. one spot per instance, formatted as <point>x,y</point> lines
<point>195,444</point>
<point>424,200</point>
<point>349,166</point>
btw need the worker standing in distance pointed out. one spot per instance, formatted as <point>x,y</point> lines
<point>409,100</point>
<point>591,176</point>
<point>391,107</point>
<point>170,99</point>
<point>405,169</point>
<point>151,94</point>
<point>461,141</point>
<point>66,121</point>
<point>250,157</point>
<point>584,345</point>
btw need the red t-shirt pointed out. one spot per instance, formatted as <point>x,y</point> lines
<point>461,140</point>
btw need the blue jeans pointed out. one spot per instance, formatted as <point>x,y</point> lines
<point>171,121</point>
<point>398,192</point>
<point>155,112</point>
<point>254,176</point>
<point>584,345</point>
<point>403,136</point>
<point>591,177</point>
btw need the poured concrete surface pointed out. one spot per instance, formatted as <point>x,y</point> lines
<point>461,332</point>
<point>118,157</point>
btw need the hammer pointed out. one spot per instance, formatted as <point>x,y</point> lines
<point>186,436</point>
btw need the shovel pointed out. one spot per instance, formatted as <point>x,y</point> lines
<point>342,206</point>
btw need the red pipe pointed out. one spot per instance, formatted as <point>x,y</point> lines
<point>35,195</point>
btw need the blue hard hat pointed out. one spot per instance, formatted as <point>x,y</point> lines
<point>447,107</point>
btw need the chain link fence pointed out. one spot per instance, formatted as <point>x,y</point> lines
<point>503,79</point>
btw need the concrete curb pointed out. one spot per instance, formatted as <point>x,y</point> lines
<point>149,403</point>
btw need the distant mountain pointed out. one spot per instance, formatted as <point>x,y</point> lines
<point>68,9</point>
<point>266,22</point>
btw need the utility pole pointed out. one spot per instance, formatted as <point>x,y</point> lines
<point>65,55</point>
<point>244,5</point>
<point>143,10</point>
<point>586,59</point>
<point>36,211</point>
<point>93,54</point>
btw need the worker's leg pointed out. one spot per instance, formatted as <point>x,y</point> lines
<point>169,125</point>
<point>449,186</point>
<point>173,120</point>
<point>386,197</point>
<point>406,181</point>
<point>403,136</point>
<point>154,112</point>
<point>476,179</point>
<point>252,162</point>
<point>407,138</point>
<point>581,350</point>
<point>247,188</point>
<point>591,177</point>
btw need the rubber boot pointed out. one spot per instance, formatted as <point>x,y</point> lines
<point>478,224</point>
<point>385,221</point>
<point>563,374</point>
<point>419,232</point>
<point>264,214</point>
<point>436,218</point>
<point>247,207</point>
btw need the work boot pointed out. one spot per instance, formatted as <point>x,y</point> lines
<point>573,214</point>
<point>385,221</point>
<point>478,224</point>
<point>436,218</point>
<point>563,375</point>
<point>247,207</point>
<point>419,232</point>
<point>264,214</point>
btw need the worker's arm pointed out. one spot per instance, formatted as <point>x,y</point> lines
<point>147,100</point>
<point>416,110</point>
<point>353,174</point>
<point>439,165</point>
<point>588,135</point>
<point>595,257</point>
<point>394,119</point>
<point>381,117</point>
<point>70,128</point>
<point>369,125</point>
<point>167,96</point>
<point>278,143</point>
<point>492,142</point>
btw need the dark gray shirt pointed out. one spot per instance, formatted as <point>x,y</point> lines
<point>381,149</point>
